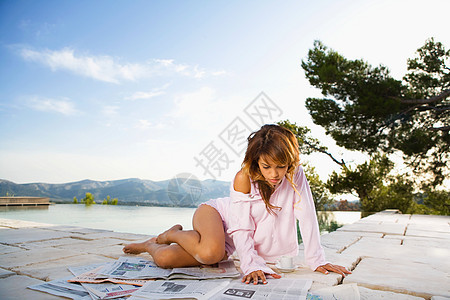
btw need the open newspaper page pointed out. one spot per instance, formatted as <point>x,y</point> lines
<point>94,277</point>
<point>224,269</point>
<point>103,290</point>
<point>109,290</point>
<point>337,292</point>
<point>179,289</point>
<point>134,268</point>
<point>139,268</point>
<point>78,270</point>
<point>276,289</point>
<point>60,287</point>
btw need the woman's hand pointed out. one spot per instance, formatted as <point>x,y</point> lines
<point>257,275</point>
<point>333,268</point>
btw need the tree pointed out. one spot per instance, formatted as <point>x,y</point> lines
<point>88,199</point>
<point>368,110</point>
<point>108,201</point>
<point>75,201</point>
<point>375,187</point>
<point>321,195</point>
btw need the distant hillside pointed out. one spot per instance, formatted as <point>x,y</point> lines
<point>175,192</point>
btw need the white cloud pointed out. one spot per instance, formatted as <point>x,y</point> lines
<point>63,106</point>
<point>102,68</point>
<point>148,95</point>
<point>108,69</point>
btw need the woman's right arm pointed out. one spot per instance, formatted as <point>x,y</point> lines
<point>242,229</point>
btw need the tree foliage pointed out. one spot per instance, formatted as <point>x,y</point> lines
<point>108,201</point>
<point>367,110</point>
<point>375,187</point>
<point>88,199</point>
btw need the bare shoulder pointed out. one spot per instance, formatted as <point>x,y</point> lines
<point>242,183</point>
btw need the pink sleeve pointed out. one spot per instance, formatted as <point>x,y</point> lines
<point>241,230</point>
<point>305,212</point>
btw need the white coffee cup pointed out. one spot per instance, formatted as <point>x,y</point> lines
<point>287,262</point>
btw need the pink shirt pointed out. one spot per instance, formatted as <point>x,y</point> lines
<point>258,236</point>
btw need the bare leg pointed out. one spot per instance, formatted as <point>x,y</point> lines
<point>203,245</point>
<point>163,237</point>
<point>138,248</point>
<point>206,243</point>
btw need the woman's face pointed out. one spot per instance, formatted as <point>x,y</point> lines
<point>272,172</point>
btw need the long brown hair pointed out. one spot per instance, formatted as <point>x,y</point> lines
<point>281,146</point>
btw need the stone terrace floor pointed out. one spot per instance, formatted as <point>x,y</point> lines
<point>391,255</point>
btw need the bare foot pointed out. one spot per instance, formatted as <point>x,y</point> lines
<point>164,238</point>
<point>137,248</point>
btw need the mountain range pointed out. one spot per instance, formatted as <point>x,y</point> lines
<point>180,191</point>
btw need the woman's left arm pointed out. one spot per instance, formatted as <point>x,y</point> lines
<point>305,212</point>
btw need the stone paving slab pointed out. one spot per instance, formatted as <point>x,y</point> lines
<point>369,294</point>
<point>432,226</point>
<point>385,263</point>
<point>426,233</point>
<point>9,249</point>
<point>340,240</point>
<point>5,273</point>
<point>401,277</point>
<point>15,287</point>
<point>131,237</point>
<point>22,235</point>
<point>23,258</point>
<point>76,229</point>
<point>58,243</point>
<point>9,223</point>
<point>385,228</point>
<point>392,249</point>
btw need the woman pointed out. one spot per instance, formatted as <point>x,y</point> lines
<point>258,220</point>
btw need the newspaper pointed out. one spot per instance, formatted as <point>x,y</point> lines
<point>337,292</point>
<point>98,290</point>
<point>276,289</point>
<point>93,276</point>
<point>109,290</point>
<point>180,289</point>
<point>78,270</point>
<point>61,287</point>
<point>139,268</point>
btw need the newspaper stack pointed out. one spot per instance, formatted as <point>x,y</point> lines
<point>139,268</point>
<point>125,276</point>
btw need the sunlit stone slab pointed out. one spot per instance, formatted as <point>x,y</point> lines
<point>427,233</point>
<point>420,241</point>
<point>369,294</point>
<point>432,226</point>
<point>391,249</point>
<point>21,224</point>
<point>403,277</point>
<point>341,240</point>
<point>390,228</point>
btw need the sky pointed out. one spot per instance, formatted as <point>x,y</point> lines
<point>107,90</point>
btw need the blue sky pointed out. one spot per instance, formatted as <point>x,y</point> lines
<point>109,90</point>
